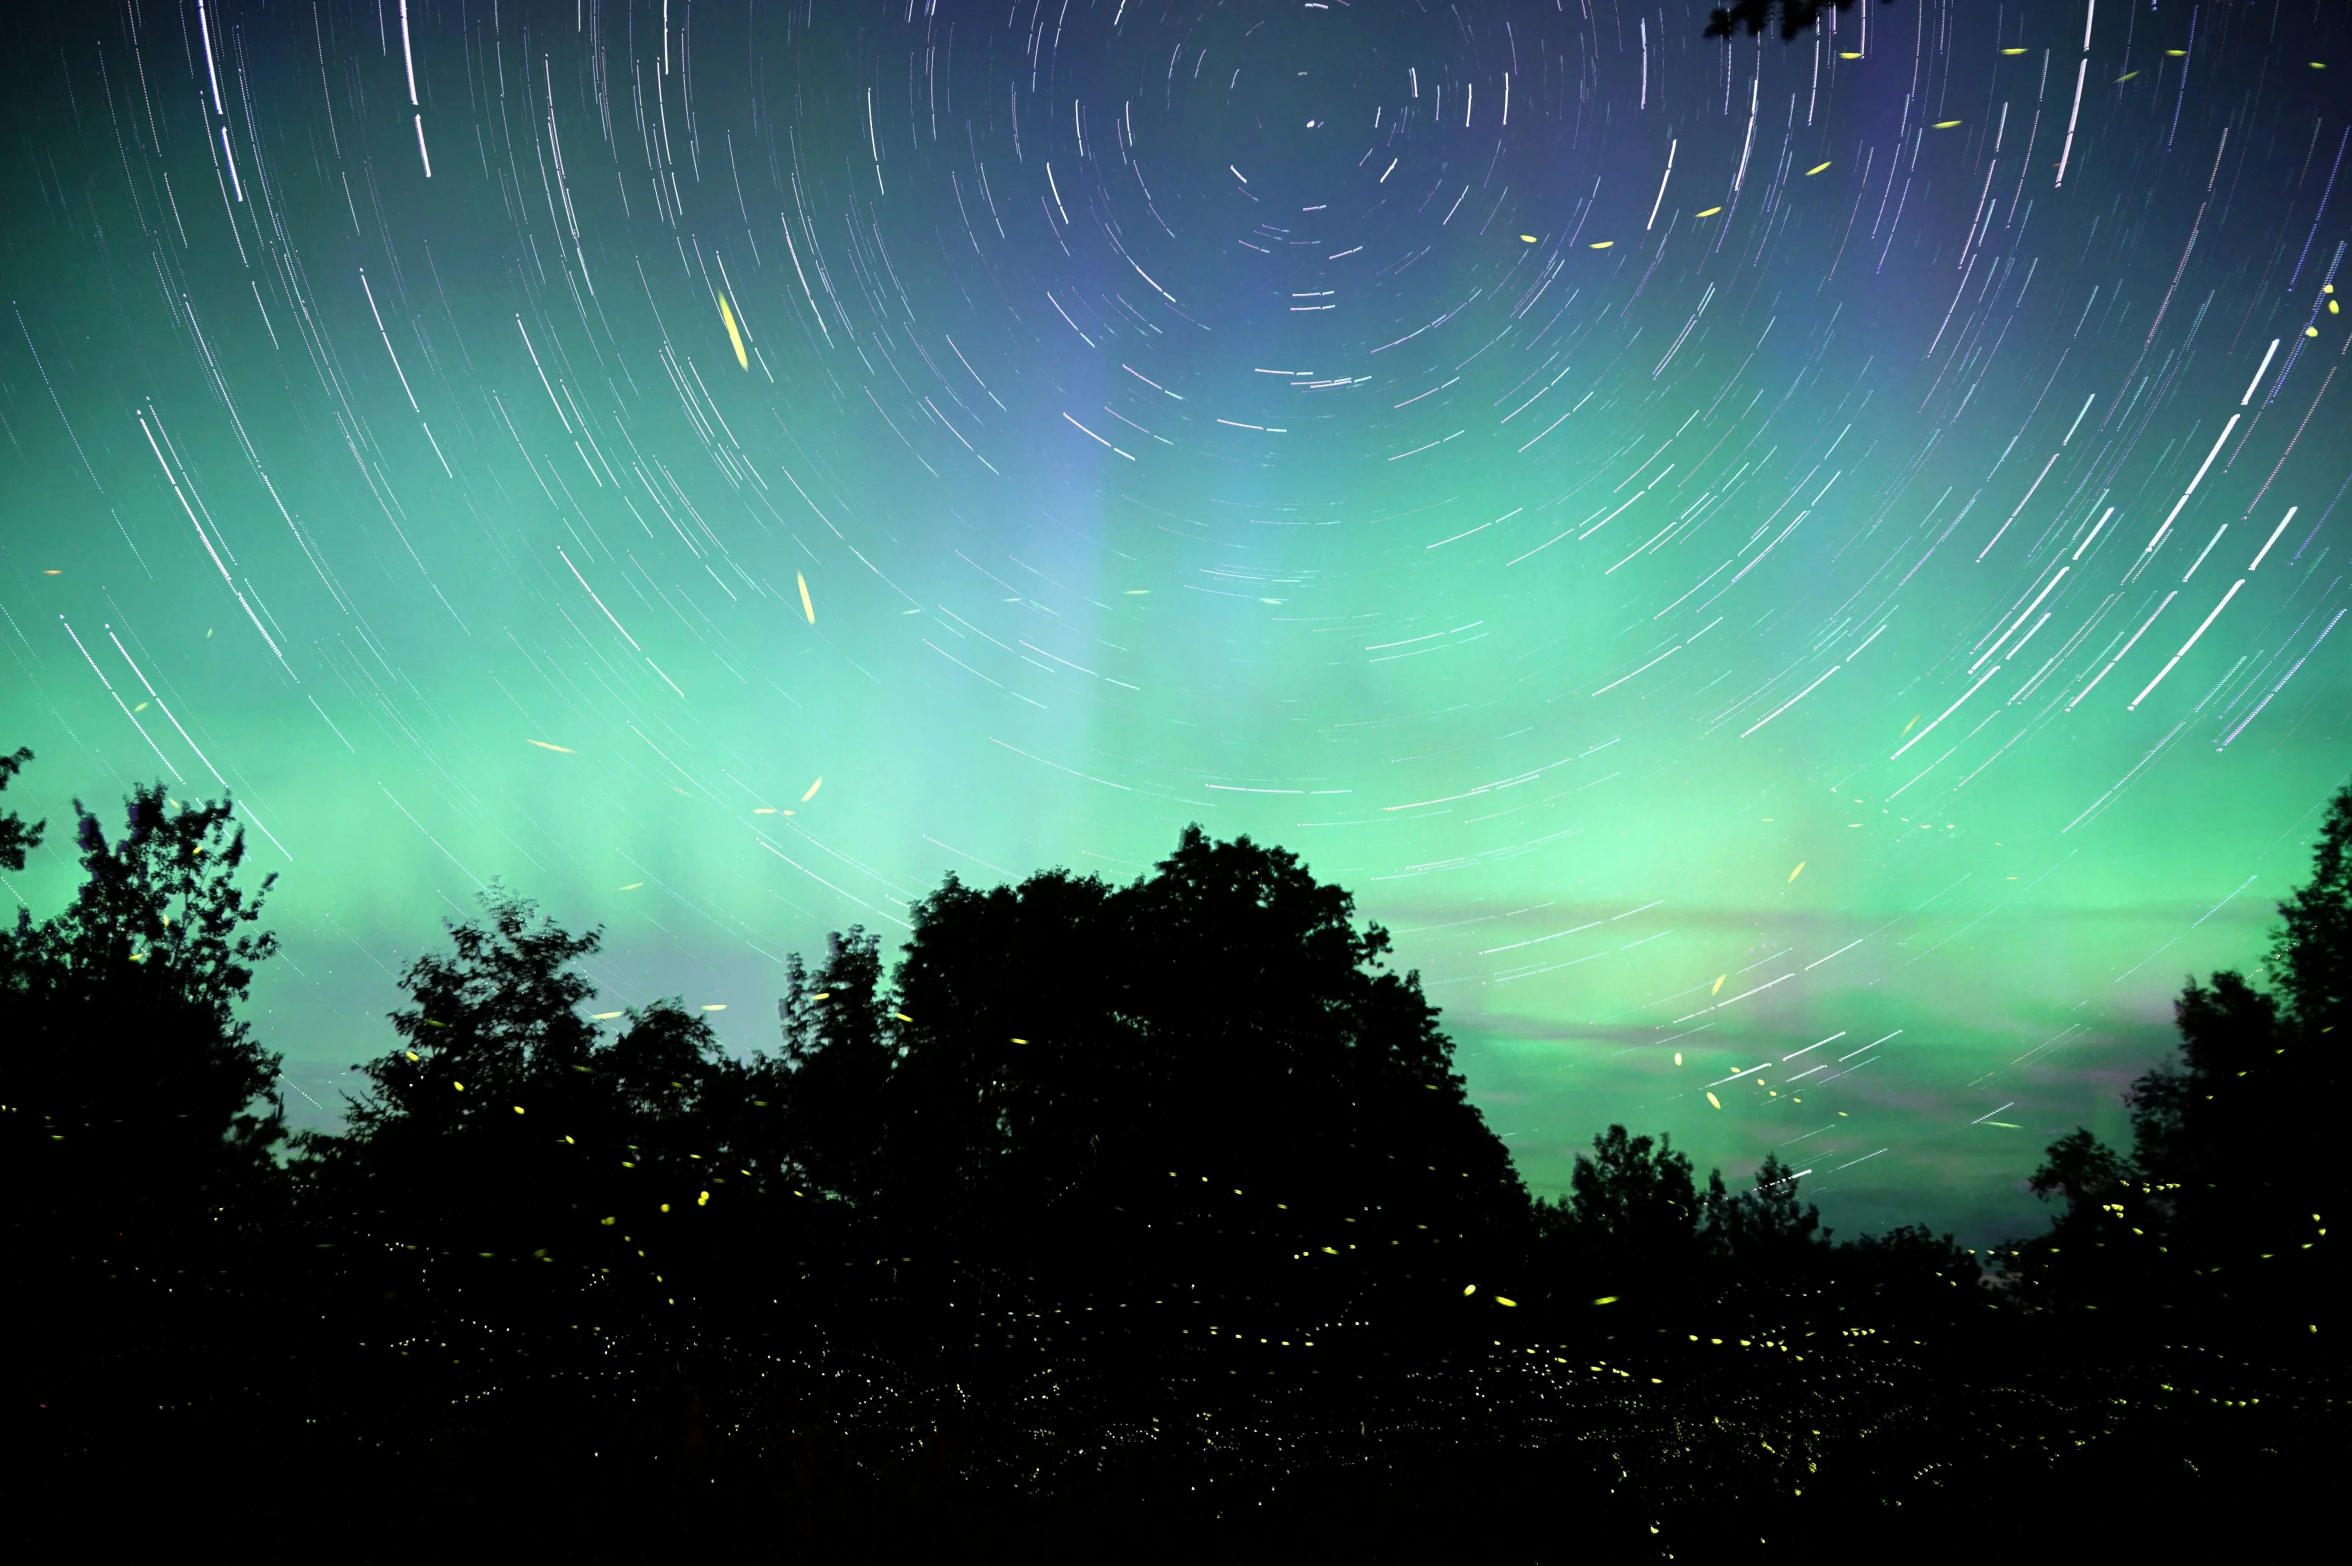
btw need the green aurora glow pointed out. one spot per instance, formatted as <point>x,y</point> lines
<point>1133,496</point>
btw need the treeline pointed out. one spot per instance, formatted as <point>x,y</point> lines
<point>1128,1209</point>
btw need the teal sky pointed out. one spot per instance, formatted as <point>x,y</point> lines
<point>1754,553</point>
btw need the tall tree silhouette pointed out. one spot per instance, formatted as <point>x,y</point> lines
<point>2229,1171</point>
<point>1630,1220</point>
<point>835,1066</point>
<point>501,1083</point>
<point>1208,1079</point>
<point>138,1117</point>
<point>554,1231</point>
<point>138,1101</point>
<point>1764,1231</point>
<point>16,839</point>
<point>1634,1222</point>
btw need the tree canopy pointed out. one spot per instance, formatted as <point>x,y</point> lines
<point>2220,1198</point>
<point>16,839</point>
<point>1091,1168</point>
<point>137,1098</point>
<point>1213,1056</point>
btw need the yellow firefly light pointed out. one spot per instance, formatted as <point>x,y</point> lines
<point>733,335</point>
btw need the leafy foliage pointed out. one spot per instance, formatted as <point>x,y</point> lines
<point>835,1066</point>
<point>16,839</point>
<point>1764,1231</point>
<point>508,1123</point>
<point>1756,15</point>
<point>1917,1269</point>
<point>1101,1185</point>
<point>1632,1209</point>
<point>2220,1197</point>
<point>1211,1058</point>
<point>138,1120</point>
<point>136,1097</point>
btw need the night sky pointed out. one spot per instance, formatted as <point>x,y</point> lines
<point>1731,549</point>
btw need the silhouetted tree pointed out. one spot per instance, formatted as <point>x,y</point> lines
<point>531,1216</point>
<point>1183,1156</point>
<point>502,1084</point>
<point>2082,1169</point>
<point>137,1122</point>
<point>16,839</point>
<point>2234,1145</point>
<point>1756,15</point>
<point>1764,1232</point>
<point>2101,1246</point>
<point>2230,1160</point>
<point>1912,1271</point>
<point>1635,1220</point>
<point>1207,1077</point>
<point>138,1102</point>
<point>1630,1220</point>
<point>835,1066</point>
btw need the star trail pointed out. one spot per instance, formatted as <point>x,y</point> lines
<point>1729,547</point>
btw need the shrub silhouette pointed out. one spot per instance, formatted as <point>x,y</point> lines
<point>1126,1202</point>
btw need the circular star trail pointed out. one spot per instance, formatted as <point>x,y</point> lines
<point>1799,578</point>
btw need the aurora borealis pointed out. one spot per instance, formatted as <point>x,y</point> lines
<point>1731,549</point>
